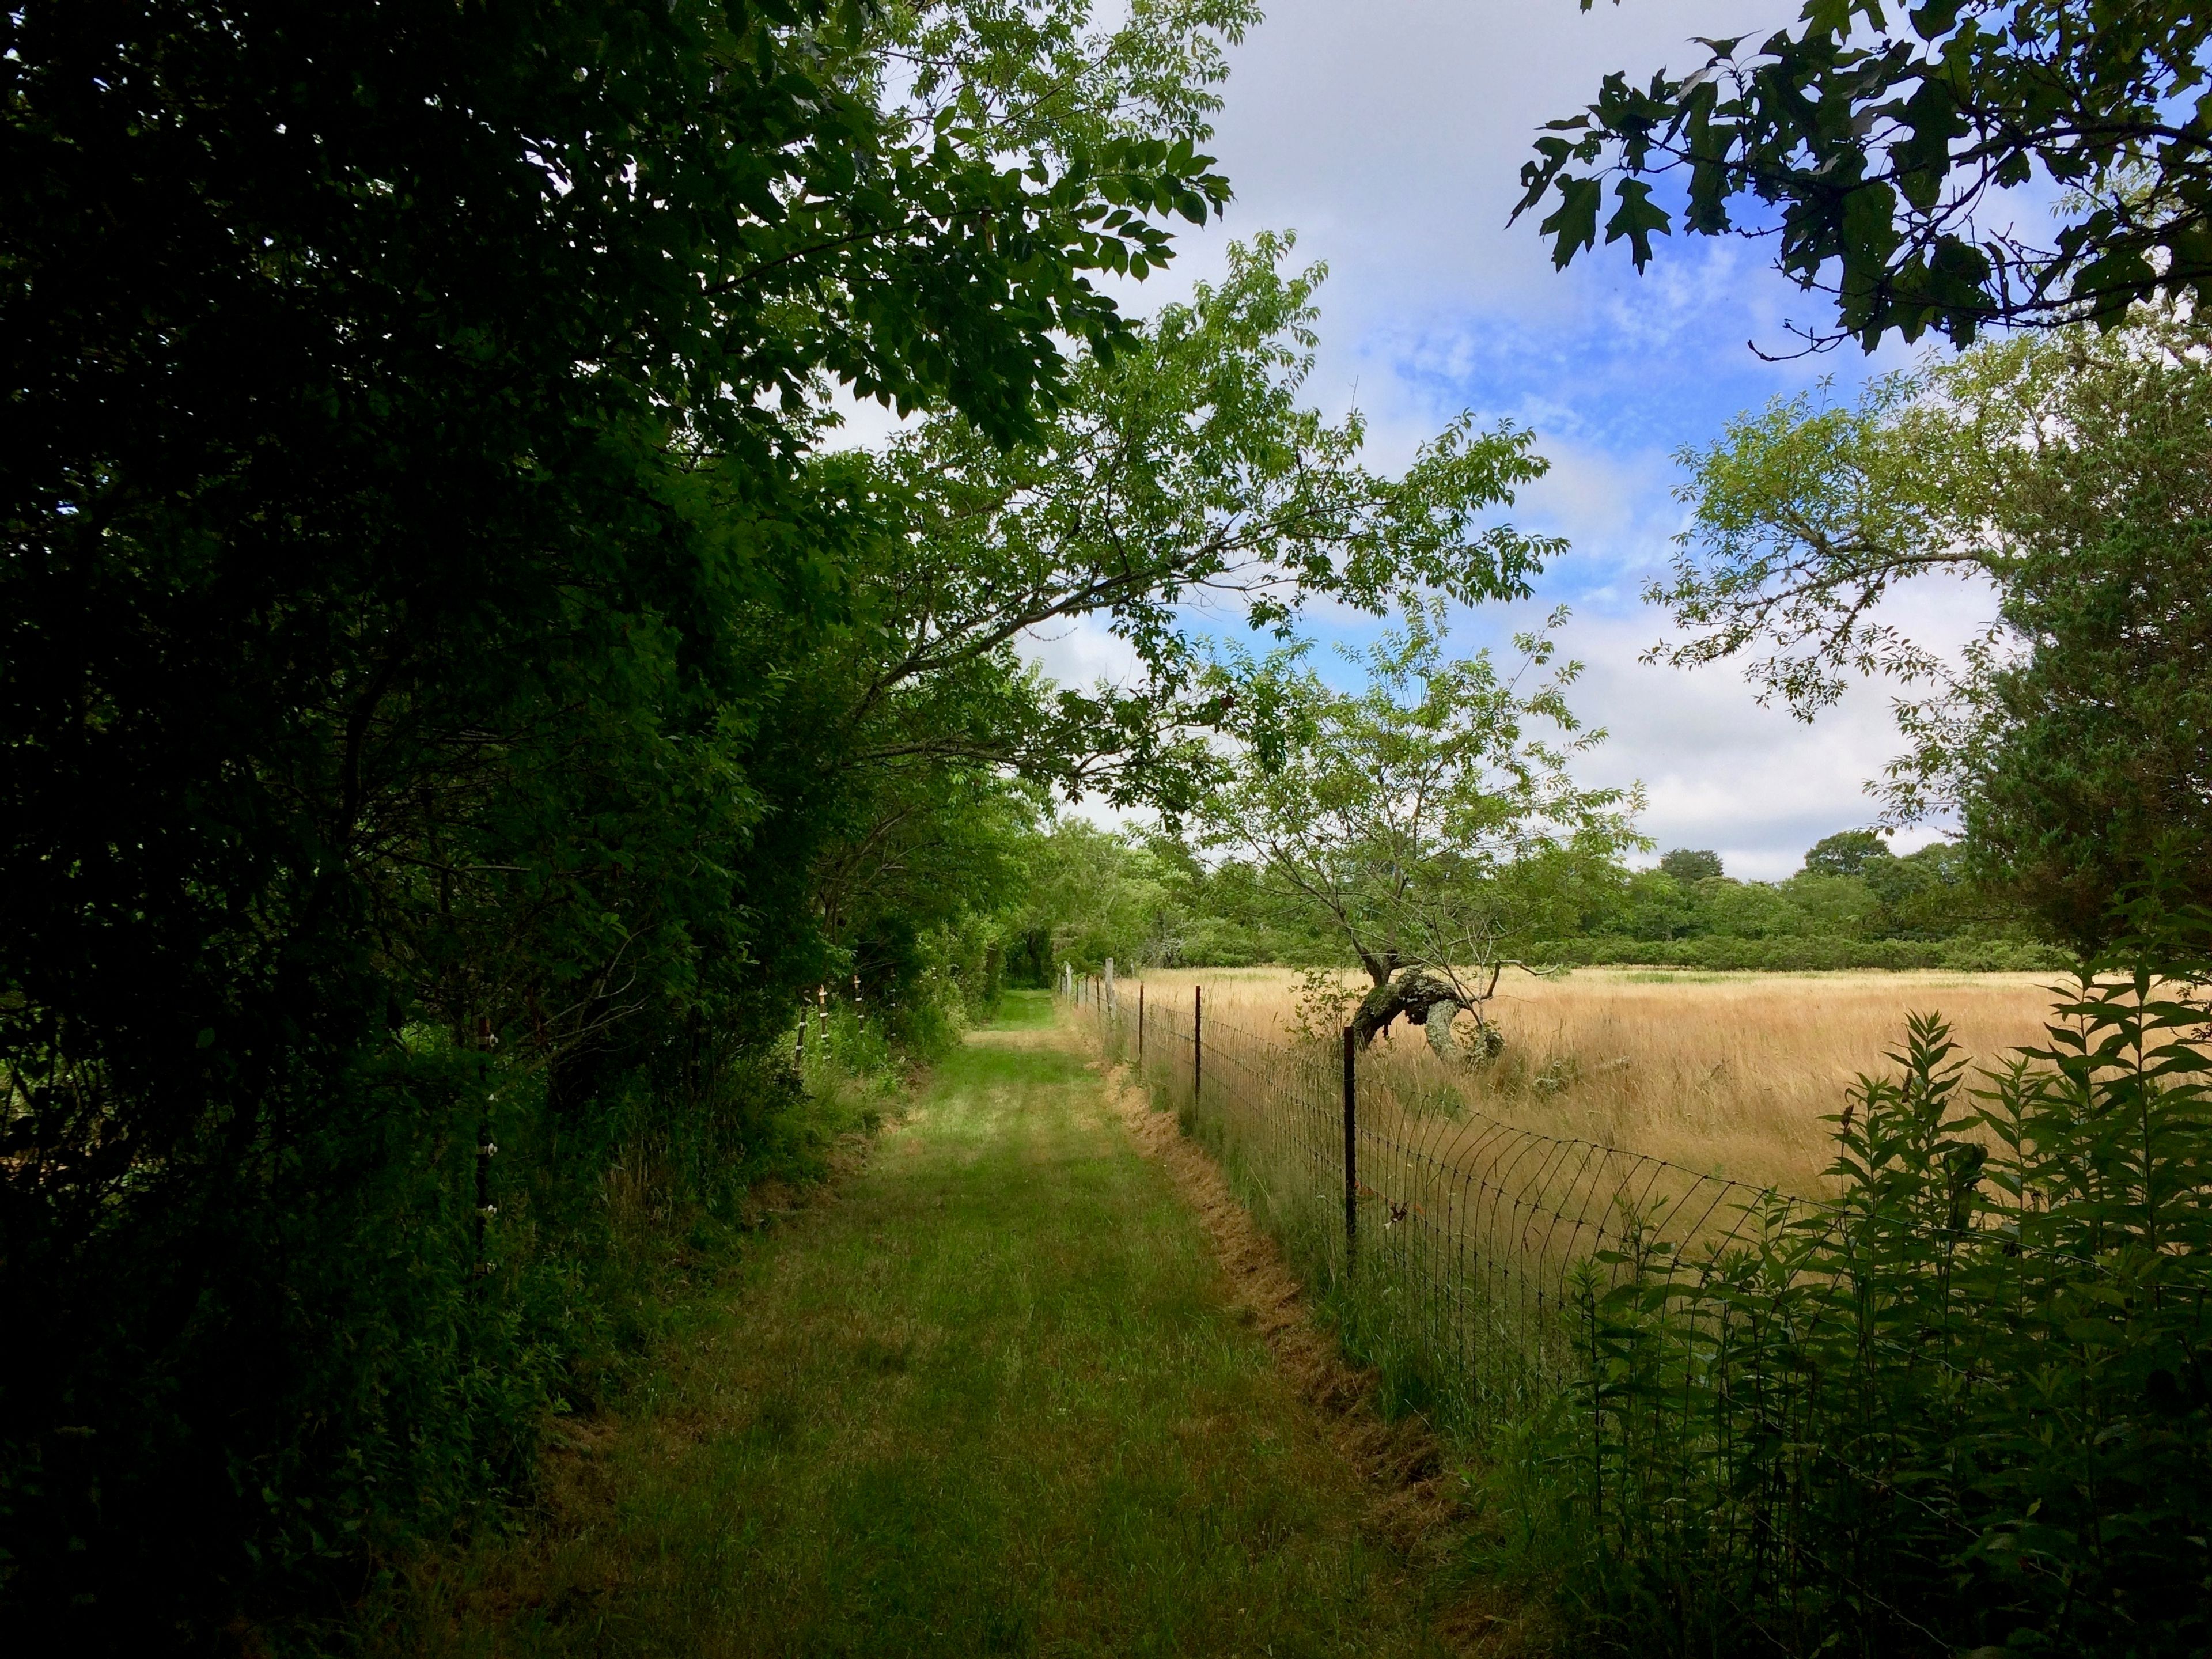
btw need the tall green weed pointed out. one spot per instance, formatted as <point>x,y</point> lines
<point>1964,1406</point>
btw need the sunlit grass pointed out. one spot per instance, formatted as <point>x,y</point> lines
<point>992,1399</point>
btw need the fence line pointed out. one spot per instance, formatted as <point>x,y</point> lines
<point>1492,1229</point>
<point>1893,1422</point>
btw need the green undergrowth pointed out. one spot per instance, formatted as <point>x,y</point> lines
<point>990,1395</point>
<point>681,1218</point>
<point>592,1257</point>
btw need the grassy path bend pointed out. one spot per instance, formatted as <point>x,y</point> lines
<point>993,1399</point>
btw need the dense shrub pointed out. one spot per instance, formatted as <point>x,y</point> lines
<point>435,670</point>
<point>1967,1405</point>
<point>1807,954</point>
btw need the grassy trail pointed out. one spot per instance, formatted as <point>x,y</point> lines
<point>992,1399</point>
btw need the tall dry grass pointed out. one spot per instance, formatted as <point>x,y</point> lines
<point>1728,1075</point>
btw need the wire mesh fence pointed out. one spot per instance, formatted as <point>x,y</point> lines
<point>1888,1422</point>
<point>1490,1236</point>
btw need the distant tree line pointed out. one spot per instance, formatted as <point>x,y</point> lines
<point>1853,904</point>
<point>1149,900</point>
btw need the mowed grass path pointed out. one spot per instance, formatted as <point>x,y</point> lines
<point>994,1398</point>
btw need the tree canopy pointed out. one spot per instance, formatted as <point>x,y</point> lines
<point>1879,148</point>
<point>1846,852</point>
<point>2069,473</point>
<point>453,709</point>
<point>1691,863</point>
<point>1179,467</point>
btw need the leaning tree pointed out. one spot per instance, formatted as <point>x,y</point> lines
<point>1430,821</point>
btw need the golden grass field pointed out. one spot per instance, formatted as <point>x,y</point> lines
<point>1726,1074</point>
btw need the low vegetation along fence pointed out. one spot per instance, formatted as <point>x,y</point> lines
<point>1962,1404</point>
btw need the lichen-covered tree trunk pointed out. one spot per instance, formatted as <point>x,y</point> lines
<point>1412,996</point>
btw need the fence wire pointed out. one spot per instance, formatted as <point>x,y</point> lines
<point>1485,1232</point>
<point>1787,1425</point>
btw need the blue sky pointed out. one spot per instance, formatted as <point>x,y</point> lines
<point>1389,134</point>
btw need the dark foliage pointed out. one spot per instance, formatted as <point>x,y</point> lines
<point>1967,1406</point>
<point>1847,852</point>
<point>1687,863</point>
<point>1880,155</point>
<point>411,808</point>
<point>2092,761</point>
<point>1029,960</point>
<point>1808,953</point>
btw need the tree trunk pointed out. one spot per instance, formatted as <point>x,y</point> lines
<point>1413,996</point>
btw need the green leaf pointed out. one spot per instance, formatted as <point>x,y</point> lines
<point>1636,217</point>
<point>1573,223</point>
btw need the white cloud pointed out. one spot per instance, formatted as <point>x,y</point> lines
<point>1081,652</point>
<point>1752,784</point>
<point>1391,131</point>
<point>1390,135</point>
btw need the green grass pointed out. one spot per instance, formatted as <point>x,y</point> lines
<point>994,1398</point>
<point>1026,1010</point>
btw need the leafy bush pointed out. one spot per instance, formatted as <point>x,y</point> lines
<point>1968,1405</point>
<point>1808,955</point>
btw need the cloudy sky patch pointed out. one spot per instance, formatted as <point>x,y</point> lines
<point>1389,135</point>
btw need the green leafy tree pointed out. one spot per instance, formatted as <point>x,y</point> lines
<point>1741,910</point>
<point>1230,916</point>
<point>1051,81</point>
<point>1181,466</point>
<point>1826,905</point>
<point>2069,473</point>
<point>1879,157</point>
<point>1690,866</point>
<point>1923,897</point>
<point>1846,852</point>
<point>1652,905</point>
<point>1425,821</point>
<point>1096,893</point>
<point>1932,894</point>
<point>428,655</point>
<point>1181,463</point>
